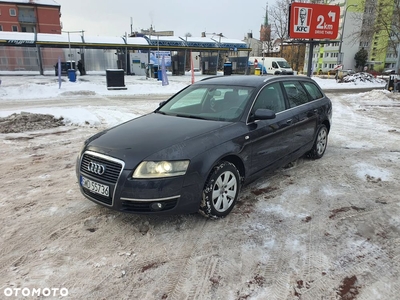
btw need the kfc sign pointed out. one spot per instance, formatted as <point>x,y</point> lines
<point>314,21</point>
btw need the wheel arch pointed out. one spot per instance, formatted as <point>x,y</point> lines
<point>237,161</point>
<point>327,124</point>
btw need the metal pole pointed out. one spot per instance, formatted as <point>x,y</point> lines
<point>131,26</point>
<point>158,50</point>
<point>310,56</point>
<point>70,54</point>
<point>398,60</point>
<point>83,53</point>
<point>219,46</point>
<point>184,68</point>
<point>38,53</point>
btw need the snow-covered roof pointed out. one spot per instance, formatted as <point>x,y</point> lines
<point>200,42</point>
<point>28,39</point>
<point>174,41</point>
<point>37,2</point>
<point>115,40</point>
<point>58,38</point>
<point>164,38</point>
<point>231,43</point>
<point>137,41</point>
<point>22,36</point>
<point>199,39</point>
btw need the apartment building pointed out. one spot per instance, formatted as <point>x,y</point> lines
<point>41,16</point>
<point>30,16</point>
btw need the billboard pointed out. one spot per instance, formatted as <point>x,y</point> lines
<point>314,21</point>
<point>156,57</point>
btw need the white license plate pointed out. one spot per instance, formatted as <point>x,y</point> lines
<point>95,187</point>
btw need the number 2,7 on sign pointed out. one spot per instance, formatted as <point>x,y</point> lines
<point>314,21</point>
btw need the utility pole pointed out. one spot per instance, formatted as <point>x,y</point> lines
<point>398,59</point>
<point>131,26</point>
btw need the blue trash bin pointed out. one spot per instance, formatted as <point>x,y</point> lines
<point>72,75</point>
<point>159,75</point>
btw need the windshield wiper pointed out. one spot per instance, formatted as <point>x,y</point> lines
<point>190,116</point>
<point>160,112</point>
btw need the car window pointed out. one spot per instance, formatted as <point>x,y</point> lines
<point>295,93</point>
<point>193,97</point>
<point>214,102</point>
<point>313,90</point>
<point>283,64</point>
<point>270,97</point>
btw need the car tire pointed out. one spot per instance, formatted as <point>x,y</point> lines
<point>220,191</point>
<point>321,141</point>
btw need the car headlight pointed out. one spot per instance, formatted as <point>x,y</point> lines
<point>159,169</point>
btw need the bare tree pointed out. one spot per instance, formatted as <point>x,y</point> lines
<point>280,19</point>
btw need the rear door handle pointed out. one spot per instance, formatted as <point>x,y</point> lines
<point>289,121</point>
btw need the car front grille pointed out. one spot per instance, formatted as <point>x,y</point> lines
<point>136,206</point>
<point>111,174</point>
<point>113,168</point>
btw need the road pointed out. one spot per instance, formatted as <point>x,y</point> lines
<point>325,229</point>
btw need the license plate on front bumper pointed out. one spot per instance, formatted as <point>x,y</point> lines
<point>95,187</point>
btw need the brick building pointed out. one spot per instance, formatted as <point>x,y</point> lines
<point>41,16</point>
<point>30,16</point>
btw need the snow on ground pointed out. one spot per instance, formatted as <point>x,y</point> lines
<point>321,229</point>
<point>19,88</point>
<point>47,87</point>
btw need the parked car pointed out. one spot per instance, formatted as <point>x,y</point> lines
<point>389,71</point>
<point>196,151</point>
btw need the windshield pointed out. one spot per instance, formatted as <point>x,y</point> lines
<point>209,102</point>
<point>283,64</point>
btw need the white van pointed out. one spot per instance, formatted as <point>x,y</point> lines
<point>272,65</point>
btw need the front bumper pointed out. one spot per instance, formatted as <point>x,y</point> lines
<point>173,195</point>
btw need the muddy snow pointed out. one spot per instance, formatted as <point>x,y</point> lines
<point>324,229</point>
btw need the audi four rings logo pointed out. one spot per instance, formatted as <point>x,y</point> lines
<point>96,168</point>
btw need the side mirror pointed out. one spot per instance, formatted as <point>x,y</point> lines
<point>161,103</point>
<point>264,114</point>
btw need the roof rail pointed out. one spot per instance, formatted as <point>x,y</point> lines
<point>215,76</point>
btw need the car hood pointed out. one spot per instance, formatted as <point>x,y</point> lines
<point>157,136</point>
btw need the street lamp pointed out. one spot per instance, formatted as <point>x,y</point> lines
<point>69,44</point>
<point>340,56</point>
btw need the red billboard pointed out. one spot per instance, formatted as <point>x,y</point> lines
<point>314,21</point>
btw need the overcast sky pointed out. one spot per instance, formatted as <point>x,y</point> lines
<point>233,18</point>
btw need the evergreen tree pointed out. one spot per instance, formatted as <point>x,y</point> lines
<point>361,58</point>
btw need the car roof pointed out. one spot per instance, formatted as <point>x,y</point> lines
<point>248,80</point>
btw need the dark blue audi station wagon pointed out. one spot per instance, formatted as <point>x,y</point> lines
<point>198,148</point>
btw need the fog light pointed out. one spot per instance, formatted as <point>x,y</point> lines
<point>157,206</point>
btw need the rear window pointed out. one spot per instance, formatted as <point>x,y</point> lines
<point>295,93</point>
<point>313,90</point>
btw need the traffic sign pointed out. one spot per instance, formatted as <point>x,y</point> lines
<point>314,21</point>
<point>338,67</point>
